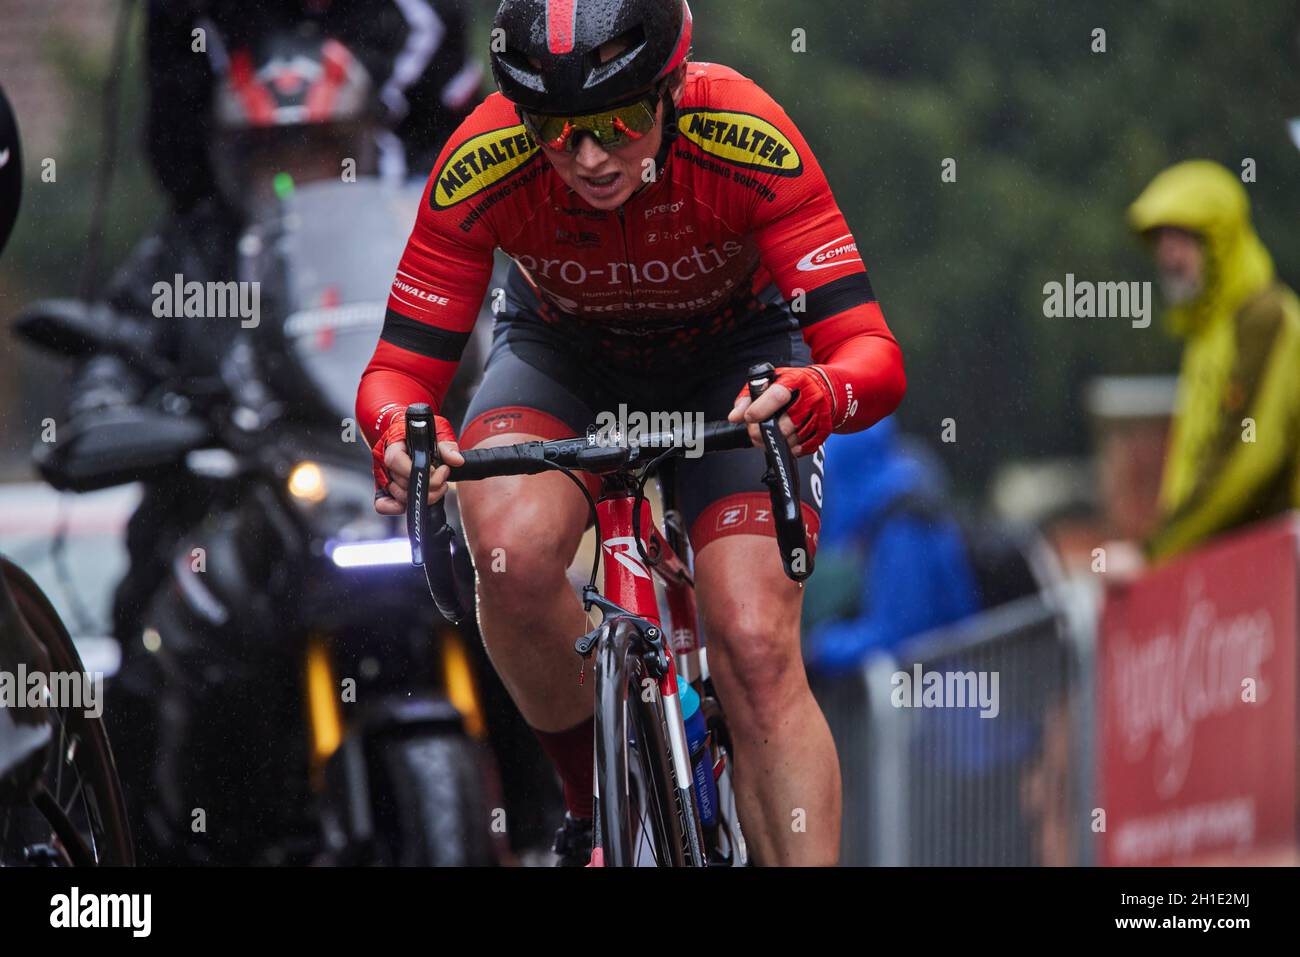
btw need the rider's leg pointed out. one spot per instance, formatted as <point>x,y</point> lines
<point>523,532</point>
<point>787,770</point>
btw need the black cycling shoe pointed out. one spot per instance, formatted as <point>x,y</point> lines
<point>573,842</point>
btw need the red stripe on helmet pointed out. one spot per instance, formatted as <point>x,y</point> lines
<point>561,16</point>
<point>683,43</point>
<point>257,101</point>
<point>320,98</point>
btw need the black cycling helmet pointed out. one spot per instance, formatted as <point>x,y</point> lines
<point>549,63</point>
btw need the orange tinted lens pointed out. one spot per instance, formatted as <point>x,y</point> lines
<point>611,128</point>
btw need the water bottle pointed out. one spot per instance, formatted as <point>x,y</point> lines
<point>706,787</point>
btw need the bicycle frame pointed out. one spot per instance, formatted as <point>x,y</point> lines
<point>629,583</point>
<point>637,553</point>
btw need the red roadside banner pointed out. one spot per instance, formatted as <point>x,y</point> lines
<point>1197,688</point>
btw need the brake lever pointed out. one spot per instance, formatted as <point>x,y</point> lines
<point>431,535</point>
<point>782,481</point>
<point>418,446</point>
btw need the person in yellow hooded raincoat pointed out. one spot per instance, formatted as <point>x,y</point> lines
<point>1233,450</point>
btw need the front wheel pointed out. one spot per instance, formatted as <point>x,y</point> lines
<point>640,812</point>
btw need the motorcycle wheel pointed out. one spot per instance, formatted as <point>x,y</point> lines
<point>433,811</point>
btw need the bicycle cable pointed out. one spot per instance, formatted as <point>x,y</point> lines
<point>639,499</point>
<point>595,515</point>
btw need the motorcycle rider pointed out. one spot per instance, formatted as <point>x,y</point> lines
<point>411,83</point>
<point>239,95</point>
<point>415,50</point>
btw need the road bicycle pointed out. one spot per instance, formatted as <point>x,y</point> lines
<point>647,810</point>
<point>60,799</point>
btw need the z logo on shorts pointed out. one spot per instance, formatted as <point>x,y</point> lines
<point>731,517</point>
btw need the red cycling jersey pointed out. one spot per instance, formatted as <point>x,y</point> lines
<point>740,203</point>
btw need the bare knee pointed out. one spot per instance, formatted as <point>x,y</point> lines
<point>520,538</point>
<point>753,638</point>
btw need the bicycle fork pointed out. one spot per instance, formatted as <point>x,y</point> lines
<point>620,634</point>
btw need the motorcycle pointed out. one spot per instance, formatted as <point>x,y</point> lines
<point>293,696</point>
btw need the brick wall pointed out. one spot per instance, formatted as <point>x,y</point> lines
<point>28,31</point>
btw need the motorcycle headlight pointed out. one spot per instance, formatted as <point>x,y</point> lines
<point>307,483</point>
<point>337,502</point>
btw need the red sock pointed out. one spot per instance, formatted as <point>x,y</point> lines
<point>573,753</point>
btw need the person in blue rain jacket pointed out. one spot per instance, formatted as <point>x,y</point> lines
<point>892,556</point>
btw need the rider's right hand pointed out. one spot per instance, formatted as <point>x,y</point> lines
<point>393,466</point>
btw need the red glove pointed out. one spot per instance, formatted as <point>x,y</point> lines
<point>396,434</point>
<point>811,408</point>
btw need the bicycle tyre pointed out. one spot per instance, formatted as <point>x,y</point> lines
<point>736,851</point>
<point>100,790</point>
<point>637,799</point>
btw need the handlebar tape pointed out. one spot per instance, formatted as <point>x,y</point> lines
<point>527,458</point>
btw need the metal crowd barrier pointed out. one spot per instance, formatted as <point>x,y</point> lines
<point>941,785</point>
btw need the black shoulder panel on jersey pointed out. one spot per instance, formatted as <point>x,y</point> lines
<point>835,297</point>
<point>422,338</point>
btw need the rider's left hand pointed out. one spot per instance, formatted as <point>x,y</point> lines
<point>806,400</point>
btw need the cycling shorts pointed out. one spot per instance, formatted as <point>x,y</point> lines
<point>543,380</point>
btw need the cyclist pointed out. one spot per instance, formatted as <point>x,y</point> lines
<point>669,228</point>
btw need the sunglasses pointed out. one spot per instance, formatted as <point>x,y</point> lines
<point>610,128</point>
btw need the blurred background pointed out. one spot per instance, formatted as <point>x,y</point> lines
<point>1052,142</point>
<point>1029,442</point>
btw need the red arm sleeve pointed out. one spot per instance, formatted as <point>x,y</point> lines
<point>433,303</point>
<point>813,258</point>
